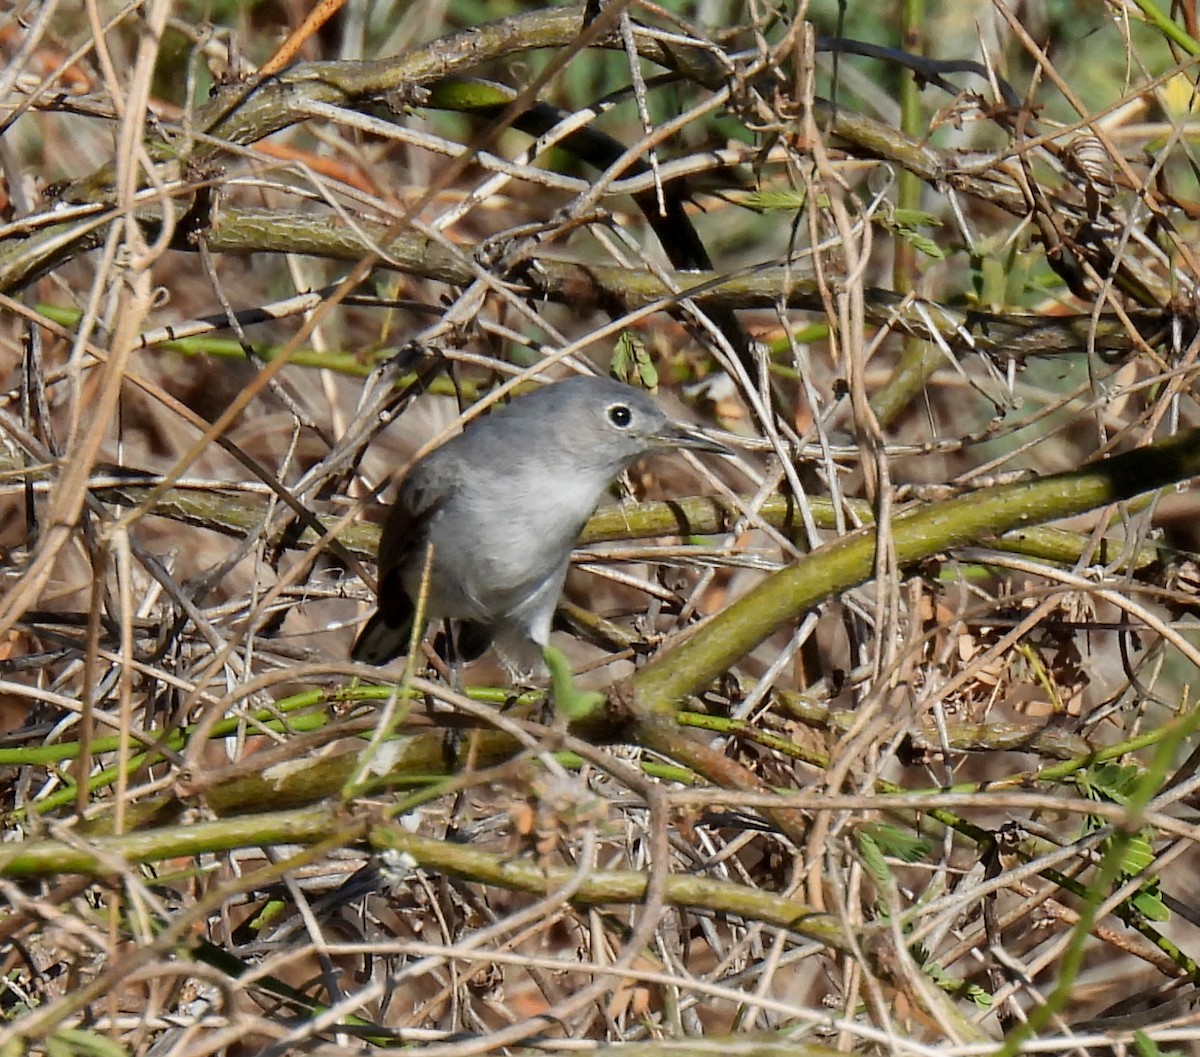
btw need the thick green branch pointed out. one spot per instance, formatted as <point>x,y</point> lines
<point>103,856</point>
<point>981,516</point>
<point>612,886</point>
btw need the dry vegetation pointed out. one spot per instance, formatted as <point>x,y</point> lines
<point>887,763</point>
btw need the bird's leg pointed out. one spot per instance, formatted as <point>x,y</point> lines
<point>453,656</point>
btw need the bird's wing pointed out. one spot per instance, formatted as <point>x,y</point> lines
<point>387,633</point>
<point>404,536</point>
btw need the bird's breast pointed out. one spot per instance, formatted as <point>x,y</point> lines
<point>496,547</point>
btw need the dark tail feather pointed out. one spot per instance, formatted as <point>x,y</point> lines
<point>381,640</point>
<point>387,635</point>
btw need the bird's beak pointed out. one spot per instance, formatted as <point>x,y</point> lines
<point>677,435</point>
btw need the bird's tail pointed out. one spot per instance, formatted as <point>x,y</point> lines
<point>383,638</point>
<point>386,636</point>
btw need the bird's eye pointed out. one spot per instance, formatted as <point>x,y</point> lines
<point>620,416</point>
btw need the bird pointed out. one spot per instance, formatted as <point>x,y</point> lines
<point>489,518</point>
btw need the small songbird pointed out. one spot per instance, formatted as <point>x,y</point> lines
<point>491,516</point>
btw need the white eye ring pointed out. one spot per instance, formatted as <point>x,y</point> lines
<point>620,416</point>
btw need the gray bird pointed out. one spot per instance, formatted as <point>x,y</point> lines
<point>502,505</point>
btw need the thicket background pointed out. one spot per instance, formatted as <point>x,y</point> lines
<point>885,764</point>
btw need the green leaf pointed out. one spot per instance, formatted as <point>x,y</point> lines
<point>951,985</point>
<point>896,842</point>
<point>569,701</point>
<point>1147,1047</point>
<point>873,858</point>
<point>769,201</point>
<point>914,218</point>
<point>1150,905</point>
<point>1111,782</point>
<point>903,224</point>
<point>631,362</point>
<point>1138,856</point>
<point>921,244</point>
